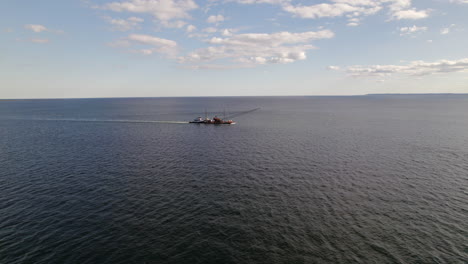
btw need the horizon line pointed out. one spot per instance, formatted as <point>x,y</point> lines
<point>213,96</point>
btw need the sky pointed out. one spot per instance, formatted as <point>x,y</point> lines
<point>158,48</point>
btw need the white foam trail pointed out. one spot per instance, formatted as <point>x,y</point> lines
<point>107,120</point>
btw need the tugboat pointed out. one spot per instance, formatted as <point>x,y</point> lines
<point>215,121</point>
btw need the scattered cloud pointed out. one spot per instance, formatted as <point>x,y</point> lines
<point>40,28</point>
<point>459,1</point>
<point>216,66</point>
<point>332,10</point>
<point>173,24</point>
<point>248,50</point>
<point>151,45</point>
<point>414,68</point>
<point>226,48</point>
<point>35,28</point>
<point>128,24</point>
<point>410,14</point>
<point>191,28</point>
<point>199,35</point>
<point>210,30</point>
<point>447,30</point>
<point>273,2</point>
<point>397,9</point>
<point>353,22</point>
<point>163,10</point>
<point>227,32</point>
<point>404,31</point>
<point>215,19</point>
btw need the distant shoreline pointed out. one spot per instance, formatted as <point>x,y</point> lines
<point>227,96</point>
<point>415,94</point>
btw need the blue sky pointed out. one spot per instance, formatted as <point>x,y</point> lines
<point>126,48</point>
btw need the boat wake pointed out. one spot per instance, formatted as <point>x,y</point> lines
<point>102,120</point>
<point>216,120</point>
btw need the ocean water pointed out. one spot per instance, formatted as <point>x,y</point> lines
<point>365,179</point>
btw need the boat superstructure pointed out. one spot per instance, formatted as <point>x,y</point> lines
<point>218,121</point>
<point>215,121</point>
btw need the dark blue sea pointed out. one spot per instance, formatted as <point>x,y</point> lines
<point>363,179</point>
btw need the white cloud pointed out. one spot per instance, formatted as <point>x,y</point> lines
<point>446,30</point>
<point>156,45</point>
<point>331,10</point>
<point>227,32</point>
<point>130,23</point>
<point>274,39</point>
<point>198,35</point>
<point>397,4</point>
<point>150,40</point>
<point>398,9</point>
<point>225,47</point>
<point>353,22</point>
<point>210,30</point>
<point>333,68</point>
<point>173,24</point>
<point>411,30</point>
<point>163,10</point>
<point>410,14</point>
<point>273,2</point>
<point>247,50</point>
<point>459,1</point>
<point>40,28</point>
<point>216,66</point>
<point>36,28</point>
<point>191,28</point>
<point>414,68</point>
<point>215,19</point>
